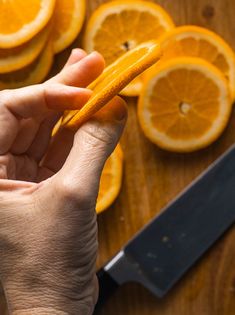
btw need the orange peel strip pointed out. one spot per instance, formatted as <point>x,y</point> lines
<point>114,78</point>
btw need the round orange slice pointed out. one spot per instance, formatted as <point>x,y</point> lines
<point>21,20</point>
<point>111,180</point>
<point>13,59</point>
<point>114,78</point>
<point>194,41</point>
<point>118,26</point>
<point>31,74</point>
<point>68,20</point>
<point>185,104</point>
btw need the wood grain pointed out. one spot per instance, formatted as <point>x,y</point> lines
<point>152,178</point>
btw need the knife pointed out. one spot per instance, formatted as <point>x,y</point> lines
<point>161,253</point>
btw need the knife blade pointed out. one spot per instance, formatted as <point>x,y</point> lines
<point>162,252</point>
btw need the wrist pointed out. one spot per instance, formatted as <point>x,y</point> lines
<point>45,301</point>
<point>39,311</point>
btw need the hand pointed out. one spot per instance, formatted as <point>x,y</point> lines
<point>48,191</point>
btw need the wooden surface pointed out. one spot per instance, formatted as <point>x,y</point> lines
<point>152,178</point>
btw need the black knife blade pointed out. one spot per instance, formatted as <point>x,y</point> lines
<point>160,254</point>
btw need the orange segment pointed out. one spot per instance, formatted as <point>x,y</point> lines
<point>26,17</point>
<point>196,41</point>
<point>13,59</point>
<point>32,74</point>
<point>113,80</point>
<point>111,180</point>
<point>68,19</point>
<point>185,104</point>
<point>119,26</point>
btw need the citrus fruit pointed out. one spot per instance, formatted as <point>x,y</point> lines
<point>68,19</point>
<point>31,74</point>
<point>114,78</point>
<point>119,26</point>
<point>12,59</point>
<point>111,180</point>
<point>185,104</point>
<point>26,18</point>
<point>196,41</point>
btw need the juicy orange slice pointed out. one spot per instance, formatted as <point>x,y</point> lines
<point>68,19</point>
<point>114,78</point>
<point>31,74</point>
<point>111,180</point>
<point>21,20</point>
<point>196,41</point>
<point>119,26</point>
<point>13,59</point>
<point>185,104</point>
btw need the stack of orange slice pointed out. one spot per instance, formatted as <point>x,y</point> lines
<point>38,29</point>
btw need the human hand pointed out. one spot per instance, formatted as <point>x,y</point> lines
<point>48,191</point>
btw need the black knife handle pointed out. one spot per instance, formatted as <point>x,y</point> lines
<point>107,286</point>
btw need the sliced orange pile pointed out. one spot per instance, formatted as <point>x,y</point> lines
<point>16,58</point>
<point>31,74</point>
<point>115,77</point>
<point>196,41</point>
<point>185,104</point>
<point>111,180</point>
<point>68,20</point>
<point>119,26</point>
<point>23,41</point>
<point>26,18</point>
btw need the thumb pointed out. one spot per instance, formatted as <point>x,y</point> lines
<point>93,143</point>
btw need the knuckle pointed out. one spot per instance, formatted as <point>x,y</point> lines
<point>75,194</point>
<point>66,189</point>
<point>97,136</point>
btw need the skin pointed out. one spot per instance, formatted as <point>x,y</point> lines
<point>48,191</point>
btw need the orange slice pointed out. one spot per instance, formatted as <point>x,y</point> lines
<point>119,26</point>
<point>196,41</point>
<point>32,74</point>
<point>68,20</point>
<point>21,20</point>
<point>13,59</point>
<point>111,180</point>
<point>114,78</point>
<point>185,104</point>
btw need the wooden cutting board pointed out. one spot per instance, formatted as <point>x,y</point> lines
<point>152,178</point>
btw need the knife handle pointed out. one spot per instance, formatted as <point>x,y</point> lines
<point>107,286</point>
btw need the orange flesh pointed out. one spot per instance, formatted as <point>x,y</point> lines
<point>28,11</point>
<point>126,36</point>
<point>184,104</point>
